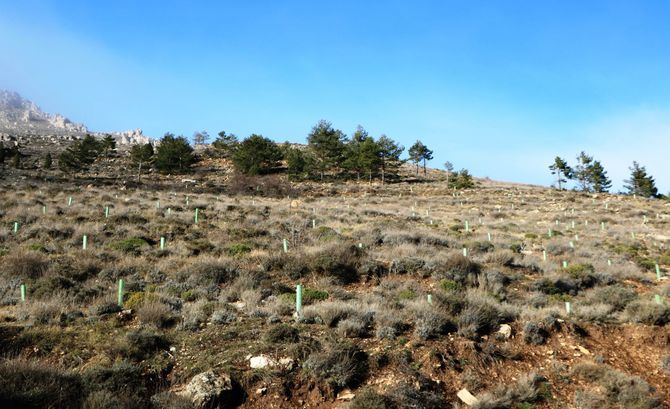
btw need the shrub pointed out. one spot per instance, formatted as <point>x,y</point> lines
<point>339,365</point>
<point>369,399</point>
<point>461,270</point>
<point>616,296</point>
<point>25,264</point>
<point>238,249</point>
<point>535,334</point>
<point>431,322</point>
<point>155,313</point>
<point>213,271</point>
<point>25,384</point>
<point>223,317</point>
<point>339,261</point>
<point>619,388</point>
<point>480,316</point>
<point>142,343</point>
<point>131,245</point>
<point>529,389</point>
<point>648,312</point>
<point>281,333</point>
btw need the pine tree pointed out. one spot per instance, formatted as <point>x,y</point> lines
<point>582,172</point>
<point>296,162</point>
<point>225,144</point>
<point>48,161</point>
<point>640,183</point>
<point>200,138</point>
<point>327,146</point>
<point>16,160</point>
<point>449,167</point>
<point>174,154</point>
<point>80,155</point>
<point>257,154</point>
<point>352,155</point>
<point>598,179</point>
<point>562,170</point>
<point>108,145</point>
<point>463,180</point>
<point>142,156</point>
<point>420,153</point>
<point>370,157</point>
<point>389,155</point>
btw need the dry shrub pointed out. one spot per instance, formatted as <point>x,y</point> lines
<point>155,313</point>
<point>25,264</point>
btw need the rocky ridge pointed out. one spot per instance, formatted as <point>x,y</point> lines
<point>21,120</point>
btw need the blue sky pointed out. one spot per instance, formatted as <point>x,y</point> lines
<point>499,88</point>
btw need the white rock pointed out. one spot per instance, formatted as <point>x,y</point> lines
<point>207,388</point>
<point>467,397</point>
<point>261,361</point>
<point>505,331</point>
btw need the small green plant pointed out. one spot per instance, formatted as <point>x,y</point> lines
<point>309,296</point>
<point>238,249</point>
<point>407,294</point>
<point>129,245</point>
<point>450,285</point>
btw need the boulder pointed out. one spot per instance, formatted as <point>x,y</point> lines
<point>208,389</point>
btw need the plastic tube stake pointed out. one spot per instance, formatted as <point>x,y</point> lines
<point>69,201</point>
<point>162,243</point>
<point>658,272</point>
<point>565,264</point>
<point>106,212</point>
<point>285,244</point>
<point>23,293</point>
<point>120,294</point>
<point>465,252</point>
<point>84,242</point>
<point>298,300</point>
<point>16,227</point>
<point>196,215</point>
<point>658,299</point>
<point>568,307</point>
<point>544,255</point>
<point>429,297</point>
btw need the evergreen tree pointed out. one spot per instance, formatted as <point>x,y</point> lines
<point>80,155</point>
<point>463,180</point>
<point>369,157</point>
<point>200,138</point>
<point>353,160</point>
<point>174,154</point>
<point>3,154</point>
<point>296,162</point>
<point>142,156</point>
<point>48,161</point>
<point>420,153</point>
<point>108,145</point>
<point>256,154</point>
<point>16,159</point>
<point>598,180</point>
<point>327,147</point>
<point>389,157</point>
<point>449,167</point>
<point>640,183</point>
<point>562,170</point>
<point>225,144</point>
<point>582,172</point>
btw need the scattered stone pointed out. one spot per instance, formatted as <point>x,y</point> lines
<point>207,389</point>
<point>505,331</point>
<point>346,395</point>
<point>467,397</point>
<point>260,362</point>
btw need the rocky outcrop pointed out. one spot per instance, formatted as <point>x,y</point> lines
<point>22,120</point>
